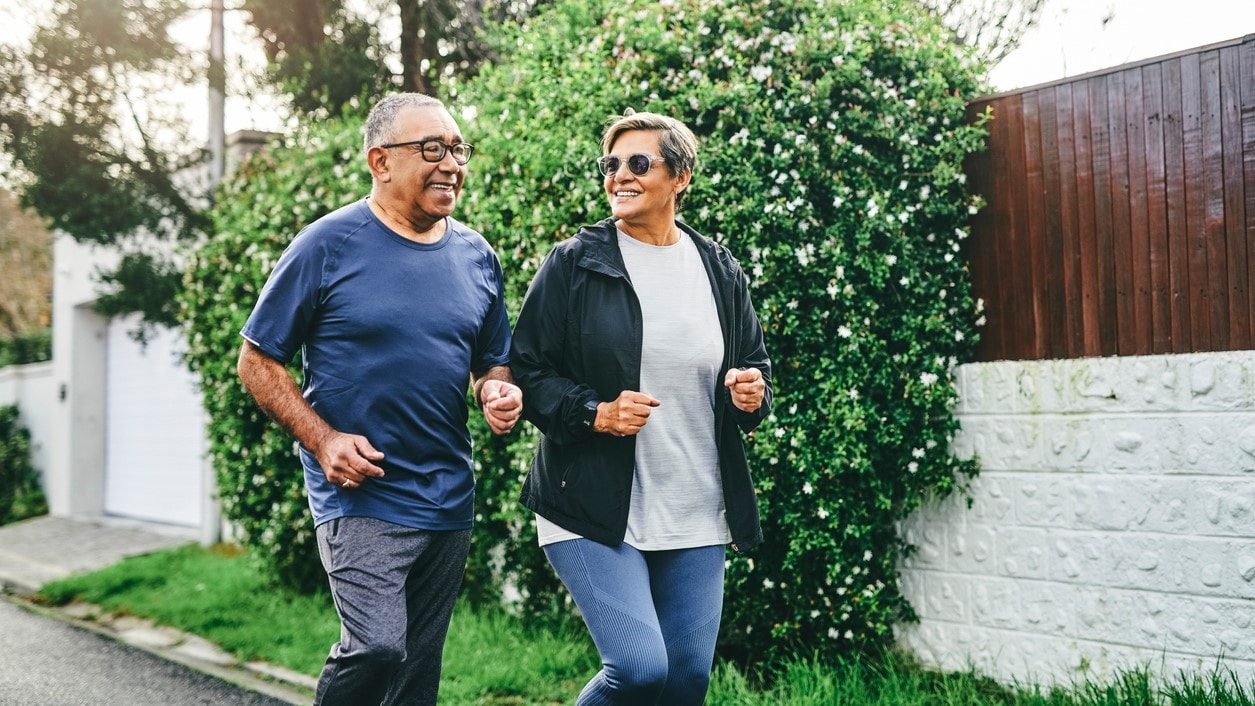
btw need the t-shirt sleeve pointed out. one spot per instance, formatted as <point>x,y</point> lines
<point>280,320</point>
<point>492,347</point>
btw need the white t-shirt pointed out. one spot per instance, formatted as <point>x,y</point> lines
<point>677,496</point>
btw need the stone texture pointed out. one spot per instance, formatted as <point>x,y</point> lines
<point>1112,525</point>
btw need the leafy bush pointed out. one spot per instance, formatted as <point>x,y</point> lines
<point>21,496</point>
<point>29,347</point>
<point>832,138</point>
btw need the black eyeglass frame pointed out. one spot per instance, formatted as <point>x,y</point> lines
<point>604,163</point>
<point>445,148</point>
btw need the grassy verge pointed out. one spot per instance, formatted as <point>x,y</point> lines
<point>492,659</point>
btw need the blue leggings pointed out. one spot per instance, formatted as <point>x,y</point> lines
<point>654,617</point>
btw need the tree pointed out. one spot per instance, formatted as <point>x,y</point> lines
<point>105,155</point>
<point>992,27</point>
<point>25,269</point>
<point>325,55</point>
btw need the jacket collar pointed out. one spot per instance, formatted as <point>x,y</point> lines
<point>601,246</point>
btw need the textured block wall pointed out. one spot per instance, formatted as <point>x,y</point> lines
<point>1112,524</point>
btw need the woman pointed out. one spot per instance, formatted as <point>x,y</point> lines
<point>640,355</point>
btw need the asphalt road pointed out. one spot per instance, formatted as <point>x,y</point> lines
<point>47,662</point>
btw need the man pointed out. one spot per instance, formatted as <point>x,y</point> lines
<point>395,306</point>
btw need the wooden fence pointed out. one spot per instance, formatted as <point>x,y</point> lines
<point>1120,216</point>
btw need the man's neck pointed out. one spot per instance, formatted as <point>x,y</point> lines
<point>420,231</point>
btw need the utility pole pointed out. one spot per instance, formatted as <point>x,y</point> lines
<point>217,98</point>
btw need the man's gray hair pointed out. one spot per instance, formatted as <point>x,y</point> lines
<point>381,123</point>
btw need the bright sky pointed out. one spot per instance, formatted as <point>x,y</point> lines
<point>1072,39</point>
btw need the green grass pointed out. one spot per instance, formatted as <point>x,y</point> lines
<point>492,659</point>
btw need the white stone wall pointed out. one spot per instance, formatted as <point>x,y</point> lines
<point>1112,524</point>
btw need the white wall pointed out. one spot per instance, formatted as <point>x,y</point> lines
<point>1113,522</point>
<point>32,389</point>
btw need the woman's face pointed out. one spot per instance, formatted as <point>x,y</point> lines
<point>650,195</point>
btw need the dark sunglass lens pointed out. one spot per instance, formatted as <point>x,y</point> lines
<point>639,164</point>
<point>609,165</point>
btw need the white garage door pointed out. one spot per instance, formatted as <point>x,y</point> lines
<point>154,430</point>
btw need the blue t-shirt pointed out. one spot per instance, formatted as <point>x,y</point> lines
<point>390,331</point>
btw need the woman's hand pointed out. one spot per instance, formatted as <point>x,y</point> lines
<point>626,414</point>
<point>747,388</point>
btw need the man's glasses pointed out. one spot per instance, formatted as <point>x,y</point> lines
<point>434,150</point>
<point>638,164</point>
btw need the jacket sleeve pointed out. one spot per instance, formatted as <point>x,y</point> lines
<point>552,402</point>
<point>751,351</point>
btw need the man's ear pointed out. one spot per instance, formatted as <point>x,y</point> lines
<point>377,158</point>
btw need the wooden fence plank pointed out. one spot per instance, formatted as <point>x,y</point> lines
<point>1174,186</point>
<point>1038,344</point>
<point>1157,211</point>
<point>1247,87</point>
<point>1139,231</point>
<point>981,248</point>
<point>1195,204</point>
<point>1121,239</point>
<point>1237,255</point>
<point>1085,219</point>
<point>1104,247</point>
<point>1069,227</point>
<point>1213,199</point>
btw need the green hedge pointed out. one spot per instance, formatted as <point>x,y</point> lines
<point>832,140</point>
<point>30,347</point>
<point>21,495</point>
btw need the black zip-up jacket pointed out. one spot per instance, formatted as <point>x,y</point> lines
<point>578,341</point>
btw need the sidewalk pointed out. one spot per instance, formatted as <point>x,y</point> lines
<point>47,548</point>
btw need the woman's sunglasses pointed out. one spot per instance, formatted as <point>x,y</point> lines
<point>638,164</point>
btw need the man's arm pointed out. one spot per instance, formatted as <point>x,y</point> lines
<point>499,397</point>
<point>346,459</point>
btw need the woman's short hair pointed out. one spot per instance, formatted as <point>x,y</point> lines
<point>381,123</point>
<point>676,141</point>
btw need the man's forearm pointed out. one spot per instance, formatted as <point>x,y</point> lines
<point>501,372</point>
<point>268,381</point>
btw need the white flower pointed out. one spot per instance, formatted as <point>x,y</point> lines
<point>807,488</point>
<point>760,73</point>
<point>958,335</point>
<point>912,467</point>
<point>891,260</point>
<point>853,393</point>
<point>844,331</point>
<point>928,379</point>
<point>867,555</point>
<point>822,514</point>
<point>767,583</point>
<point>833,634</point>
<point>917,453</point>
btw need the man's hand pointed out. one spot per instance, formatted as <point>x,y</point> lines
<point>346,459</point>
<point>502,403</point>
<point>747,388</point>
<point>625,415</point>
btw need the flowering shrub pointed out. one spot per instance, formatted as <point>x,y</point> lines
<point>832,140</point>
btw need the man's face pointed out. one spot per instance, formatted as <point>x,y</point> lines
<point>428,190</point>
